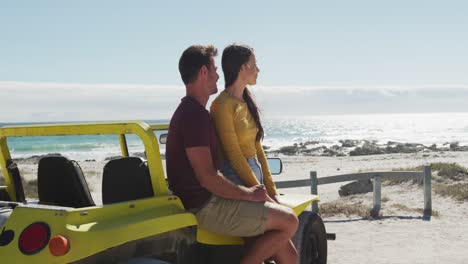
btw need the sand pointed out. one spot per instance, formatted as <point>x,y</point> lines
<point>400,236</point>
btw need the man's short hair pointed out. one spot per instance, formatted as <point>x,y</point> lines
<point>193,58</point>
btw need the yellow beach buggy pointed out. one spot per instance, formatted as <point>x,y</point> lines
<point>140,221</point>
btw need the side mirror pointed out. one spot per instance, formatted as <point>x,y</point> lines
<point>276,165</point>
<point>163,139</point>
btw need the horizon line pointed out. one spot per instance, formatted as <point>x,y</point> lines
<point>304,87</point>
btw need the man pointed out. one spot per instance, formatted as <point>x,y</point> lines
<point>191,158</point>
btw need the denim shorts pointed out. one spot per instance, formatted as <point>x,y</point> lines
<point>231,175</point>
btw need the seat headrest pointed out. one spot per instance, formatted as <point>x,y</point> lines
<point>61,182</point>
<point>126,179</point>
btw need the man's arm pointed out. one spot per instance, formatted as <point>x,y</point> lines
<point>202,164</point>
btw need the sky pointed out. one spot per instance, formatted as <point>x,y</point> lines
<point>110,60</point>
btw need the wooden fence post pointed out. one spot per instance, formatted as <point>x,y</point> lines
<point>313,190</point>
<point>377,184</point>
<point>427,192</point>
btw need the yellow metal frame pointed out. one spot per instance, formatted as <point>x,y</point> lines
<point>94,229</point>
<point>4,156</point>
<point>141,129</point>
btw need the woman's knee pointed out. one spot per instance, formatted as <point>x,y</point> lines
<point>292,222</point>
<point>282,218</point>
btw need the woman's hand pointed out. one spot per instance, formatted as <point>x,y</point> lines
<point>274,199</point>
<point>258,193</point>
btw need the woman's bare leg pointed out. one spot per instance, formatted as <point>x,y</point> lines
<point>280,227</point>
<point>286,254</point>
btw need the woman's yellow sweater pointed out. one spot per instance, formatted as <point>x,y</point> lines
<point>237,133</point>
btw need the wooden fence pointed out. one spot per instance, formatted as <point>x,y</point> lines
<point>376,178</point>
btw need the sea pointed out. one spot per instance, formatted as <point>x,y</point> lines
<point>327,130</point>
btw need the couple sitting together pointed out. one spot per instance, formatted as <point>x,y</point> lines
<point>241,199</point>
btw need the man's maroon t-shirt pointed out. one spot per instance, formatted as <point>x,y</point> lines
<point>190,126</point>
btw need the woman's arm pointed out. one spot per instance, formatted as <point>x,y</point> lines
<point>267,179</point>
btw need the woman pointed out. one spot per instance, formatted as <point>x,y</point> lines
<point>240,132</point>
<point>237,121</point>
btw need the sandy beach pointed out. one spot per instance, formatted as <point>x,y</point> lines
<point>399,236</point>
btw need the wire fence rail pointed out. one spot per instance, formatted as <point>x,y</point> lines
<point>376,177</point>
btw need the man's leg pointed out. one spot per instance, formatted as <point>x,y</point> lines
<point>286,254</point>
<point>280,226</point>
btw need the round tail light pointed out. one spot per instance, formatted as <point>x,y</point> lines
<point>34,238</point>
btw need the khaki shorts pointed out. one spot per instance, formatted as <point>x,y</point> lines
<point>233,217</point>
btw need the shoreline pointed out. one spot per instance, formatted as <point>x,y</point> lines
<point>348,148</point>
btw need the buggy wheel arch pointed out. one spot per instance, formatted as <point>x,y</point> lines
<point>310,239</point>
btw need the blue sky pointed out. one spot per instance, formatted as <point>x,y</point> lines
<point>79,52</point>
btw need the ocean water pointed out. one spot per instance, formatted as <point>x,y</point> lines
<point>428,129</point>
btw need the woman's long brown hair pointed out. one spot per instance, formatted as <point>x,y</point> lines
<point>234,56</point>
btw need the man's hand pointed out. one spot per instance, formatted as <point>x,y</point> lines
<point>258,193</point>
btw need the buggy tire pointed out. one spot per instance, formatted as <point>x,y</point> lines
<point>199,253</point>
<point>144,261</point>
<point>310,239</point>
